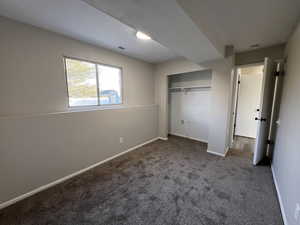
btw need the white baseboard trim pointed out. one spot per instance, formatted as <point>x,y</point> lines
<point>226,151</point>
<point>279,198</point>
<point>216,153</point>
<point>163,138</point>
<point>44,187</point>
<point>195,139</point>
<point>219,154</point>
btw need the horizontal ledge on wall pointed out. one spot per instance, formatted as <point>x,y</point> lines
<point>77,110</point>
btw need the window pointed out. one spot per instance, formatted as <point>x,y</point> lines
<point>109,85</point>
<point>91,84</point>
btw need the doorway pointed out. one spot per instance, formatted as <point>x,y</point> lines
<point>261,121</point>
<point>247,107</point>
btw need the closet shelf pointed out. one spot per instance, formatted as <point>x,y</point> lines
<point>191,87</point>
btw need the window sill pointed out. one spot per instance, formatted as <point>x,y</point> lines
<point>94,108</point>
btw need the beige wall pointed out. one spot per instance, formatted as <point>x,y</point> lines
<point>37,150</point>
<point>286,159</point>
<point>32,70</point>
<point>219,124</point>
<point>255,56</point>
<point>39,146</point>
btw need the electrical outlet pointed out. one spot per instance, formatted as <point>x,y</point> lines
<point>297,212</point>
<point>121,140</point>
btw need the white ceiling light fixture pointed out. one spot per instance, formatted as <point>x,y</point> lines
<point>142,36</point>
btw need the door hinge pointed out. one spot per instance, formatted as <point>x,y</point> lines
<point>261,119</point>
<point>270,142</point>
<point>279,73</point>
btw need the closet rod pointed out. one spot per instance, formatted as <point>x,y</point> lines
<point>188,88</point>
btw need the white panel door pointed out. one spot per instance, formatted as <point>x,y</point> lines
<point>248,103</point>
<point>264,118</point>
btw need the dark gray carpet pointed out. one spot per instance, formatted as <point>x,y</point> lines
<point>165,182</point>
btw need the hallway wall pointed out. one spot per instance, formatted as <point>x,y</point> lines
<point>258,55</point>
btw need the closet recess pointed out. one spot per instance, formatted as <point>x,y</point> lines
<point>189,104</point>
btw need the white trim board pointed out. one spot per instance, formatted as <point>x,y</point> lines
<point>77,109</point>
<point>183,136</point>
<point>44,187</point>
<point>216,153</point>
<point>219,154</point>
<point>163,138</point>
<point>226,151</point>
<point>279,197</point>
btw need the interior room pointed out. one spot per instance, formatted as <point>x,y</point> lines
<point>149,112</point>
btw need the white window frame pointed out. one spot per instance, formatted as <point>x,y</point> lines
<point>97,83</point>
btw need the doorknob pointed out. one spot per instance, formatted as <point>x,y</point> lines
<point>261,119</point>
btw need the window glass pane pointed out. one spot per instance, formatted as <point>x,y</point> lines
<point>82,83</point>
<point>109,85</point>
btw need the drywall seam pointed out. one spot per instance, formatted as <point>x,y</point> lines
<point>279,198</point>
<point>44,187</point>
